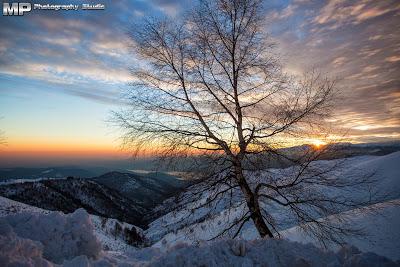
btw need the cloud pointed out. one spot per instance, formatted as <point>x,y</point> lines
<point>169,7</point>
<point>394,58</point>
<point>368,52</point>
<point>67,74</point>
<point>372,13</point>
<point>282,14</point>
<point>340,12</point>
<point>357,42</point>
<point>107,44</point>
<point>339,61</point>
<point>100,96</point>
<point>375,37</point>
<point>66,50</point>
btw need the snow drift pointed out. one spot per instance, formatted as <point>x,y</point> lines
<point>267,252</point>
<point>16,251</point>
<point>34,239</point>
<point>25,236</point>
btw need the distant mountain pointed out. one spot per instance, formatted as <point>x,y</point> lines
<point>377,149</point>
<point>148,189</point>
<point>125,196</point>
<point>339,150</point>
<point>51,172</point>
<point>285,156</point>
<point>67,195</point>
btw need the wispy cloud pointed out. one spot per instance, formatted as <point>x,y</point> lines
<point>341,12</point>
<point>356,41</point>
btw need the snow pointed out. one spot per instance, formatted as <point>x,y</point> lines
<point>63,236</point>
<point>184,226</point>
<point>110,239</point>
<point>8,206</point>
<point>269,252</point>
<point>381,233</point>
<point>16,251</point>
<point>70,240</point>
<point>103,231</point>
<point>386,168</point>
<point>30,236</point>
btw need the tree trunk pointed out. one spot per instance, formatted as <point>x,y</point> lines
<point>252,204</point>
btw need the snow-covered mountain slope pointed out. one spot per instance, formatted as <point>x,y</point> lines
<point>113,234</point>
<point>178,237</point>
<point>187,225</point>
<point>270,252</point>
<point>125,196</point>
<point>385,168</point>
<point>9,207</point>
<point>380,231</point>
<point>148,190</point>
<point>35,239</point>
<point>67,195</point>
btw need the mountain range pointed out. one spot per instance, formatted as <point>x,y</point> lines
<point>124,196</point>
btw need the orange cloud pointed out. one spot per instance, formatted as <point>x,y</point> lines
<point>393,59</point>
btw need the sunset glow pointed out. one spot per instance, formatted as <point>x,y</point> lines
<point>318,143</point>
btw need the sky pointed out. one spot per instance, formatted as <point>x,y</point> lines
<point>63,72</point>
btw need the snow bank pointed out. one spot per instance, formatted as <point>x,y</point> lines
<point>62,237</point>
<point>16,251</point>
<point>271,253</point>
<point>34,239</point>
<point>381,231</point>
<point>104,228</point>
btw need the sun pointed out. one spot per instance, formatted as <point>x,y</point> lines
<point>318,143</point>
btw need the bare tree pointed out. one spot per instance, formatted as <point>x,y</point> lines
<point>211,88</point>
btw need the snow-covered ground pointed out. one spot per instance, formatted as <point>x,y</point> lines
<point>188,226</point>
<point>54,239</point>
<point>9,207</point>
<point>36,237</point>
<point>104,228</point>
<point>381,231</point>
